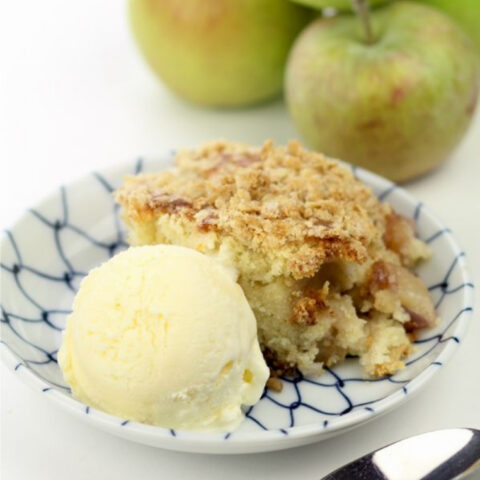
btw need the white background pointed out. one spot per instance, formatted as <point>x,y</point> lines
<point>75,96</point>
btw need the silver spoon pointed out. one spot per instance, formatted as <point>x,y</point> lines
<point>440,455</point>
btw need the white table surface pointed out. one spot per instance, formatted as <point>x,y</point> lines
<point>74,96</point>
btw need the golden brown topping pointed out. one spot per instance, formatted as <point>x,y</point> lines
<point>288,202</point>
<point>168,202</point>
<point>232,160</point>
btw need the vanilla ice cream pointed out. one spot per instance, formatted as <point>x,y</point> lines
<point>164,335</point>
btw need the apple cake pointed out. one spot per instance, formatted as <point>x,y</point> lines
<point>326,267</point>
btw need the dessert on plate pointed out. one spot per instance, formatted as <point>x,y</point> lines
<point>326,267</point>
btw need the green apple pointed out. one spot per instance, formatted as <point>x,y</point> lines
<point>341,5</point>
<point>465,12</point>
<point>397,104</point>
<point>218,53</point>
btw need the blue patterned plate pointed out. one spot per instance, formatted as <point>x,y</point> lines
<point>53,246</point>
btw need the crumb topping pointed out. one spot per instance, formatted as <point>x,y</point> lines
<point>284,201</point>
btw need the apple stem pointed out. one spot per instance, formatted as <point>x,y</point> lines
<point>362,10</point>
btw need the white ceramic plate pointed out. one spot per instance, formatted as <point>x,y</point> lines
<point>47,253</point>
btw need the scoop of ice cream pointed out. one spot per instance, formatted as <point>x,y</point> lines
<point>164,335</point>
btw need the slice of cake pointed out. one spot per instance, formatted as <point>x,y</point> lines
<point>324,265</point>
